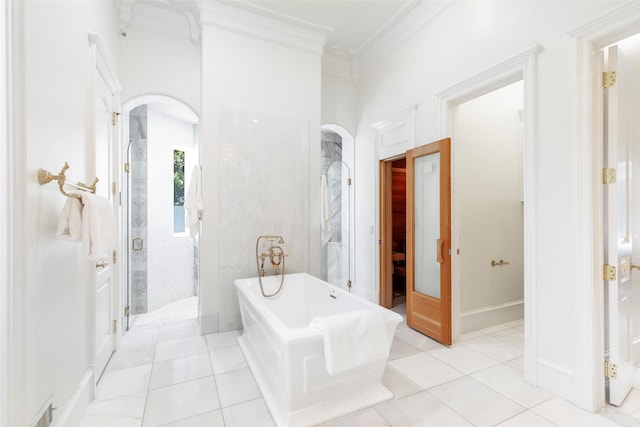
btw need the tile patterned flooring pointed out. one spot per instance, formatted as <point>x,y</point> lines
<point>168,375</point>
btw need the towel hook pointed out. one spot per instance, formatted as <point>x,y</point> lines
<point>45,177</point>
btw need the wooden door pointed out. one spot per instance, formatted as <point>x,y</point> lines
<point>428,259</point>
<point>618,234</point>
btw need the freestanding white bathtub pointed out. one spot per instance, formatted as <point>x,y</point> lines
<point>286,355</point>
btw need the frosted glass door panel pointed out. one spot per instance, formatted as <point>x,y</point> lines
<point>427,224</point>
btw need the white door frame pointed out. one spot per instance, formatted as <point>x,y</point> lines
<point>101,64</point>
<point>12,196</point>
<point>519,67</point>
<point>618,24</point>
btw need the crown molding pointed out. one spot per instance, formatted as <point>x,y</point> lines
<point>340,66</point>
<point>382,44</point>
<point>264,24</point>
<point>179,20</point>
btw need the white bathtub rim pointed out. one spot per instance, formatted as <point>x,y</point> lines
<point>286,333</point>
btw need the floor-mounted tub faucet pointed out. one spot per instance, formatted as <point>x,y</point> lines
<point>276,256</point>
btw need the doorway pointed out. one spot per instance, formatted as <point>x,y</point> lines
<point>489,204</point>
<point>336,232</point>
<point>162,166</point>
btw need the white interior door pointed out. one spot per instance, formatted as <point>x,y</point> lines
<point>618,237</point>
<point>104,276</point>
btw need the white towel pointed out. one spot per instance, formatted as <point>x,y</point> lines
<point>99,233</point>
<point>353,339</point>
<point>325,211</point>
<point>70,221</point>
<point>193,202</point>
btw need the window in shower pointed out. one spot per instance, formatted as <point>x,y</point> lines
<point>178,192</point>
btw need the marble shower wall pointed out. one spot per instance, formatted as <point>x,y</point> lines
<point>331,265</point>
<point>264,182</point>
<point>138,208</point>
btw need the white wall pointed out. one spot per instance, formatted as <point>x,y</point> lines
<point>57,277</point>
<point>462,41</point>
<point>169,256</point>
<point>339,96</point>
<point>488,200</point>
<point>249,76</point>
<point>5,202</point>
<point>157,64</point>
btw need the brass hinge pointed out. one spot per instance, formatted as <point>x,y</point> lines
<point>115,326</point>
<point>608,176</point>
<point>610,370</point>
<point>608,79</point>
<point>113,188</point>
<point>349,284</point>
<point>127,311</point>
<point>114,118</point>
<point>127,167</point>
<point>609,272</point>
<point>349,181</point>
<point>113,257</point>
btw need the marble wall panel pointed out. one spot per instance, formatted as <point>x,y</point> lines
<point>264,182</point>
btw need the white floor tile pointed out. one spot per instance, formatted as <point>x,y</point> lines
<point>470,335</point>
<point>401,348</point>
<point>178,401</point>
<point>493,329</point>
<point>236,387</point>
<point>182,369</point>
<point>248,414</point>
<point>424,370</point>
<point>471,400</point>
<point>563,413</point>
<point>139,336</point>
<point>227,359</point>
<point>368,418</point>
<point>517,363</point>
<point>398,384</point>
<point>223,340</point>
<point>511,336</point>
<point>526,419</point>
<point>210,419</point>
<point>130,356</point>
<point>180,348</point>
<point>418,340</point>
<point>509,382</point>
<point>179,330</point>
<point>494,348</point>
<point>122,382</point>
<point>420,409</point>
<point>464,359</point>
<point>518,324</point>
<point>125,411</point>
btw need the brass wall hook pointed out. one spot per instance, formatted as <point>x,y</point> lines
<point>45,177</point>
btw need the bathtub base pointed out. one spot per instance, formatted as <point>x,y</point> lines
<point>317,414</point>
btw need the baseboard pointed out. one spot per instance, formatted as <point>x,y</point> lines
<point>73,413</point>
<point>557,379</point>
<point>485,317</point>
<point>209,323</point>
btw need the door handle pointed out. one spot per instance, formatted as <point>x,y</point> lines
<point>102,265</point>
<point>138,244</point>
<point>440,259</point>
<point>632,266</point>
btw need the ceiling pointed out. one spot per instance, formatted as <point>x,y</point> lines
<point>354,26</point>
